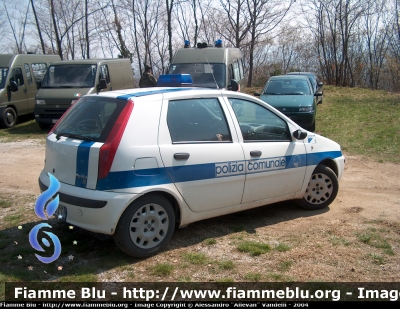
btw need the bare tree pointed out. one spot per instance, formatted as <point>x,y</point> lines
<point>125,53</point>
<point>334,24</point>
<point>265,16</point>
<point>18,32</point>
<point>169,5</point>
<point>38,28</point>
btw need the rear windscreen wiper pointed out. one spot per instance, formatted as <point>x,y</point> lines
<point>86,138</point>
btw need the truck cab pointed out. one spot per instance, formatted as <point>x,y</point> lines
<point>67,81</point>
<point>210,66</point>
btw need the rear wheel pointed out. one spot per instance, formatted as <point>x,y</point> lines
<point>321,190</point>
<point>8,117</point>
<point>146,226</point>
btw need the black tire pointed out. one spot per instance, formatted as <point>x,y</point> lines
<point>146,226</point>
<point>311,128</point>
<point>8,117</point>
<point>44,126</point>
<point>321,190</point>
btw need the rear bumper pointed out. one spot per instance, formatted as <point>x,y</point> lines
<point>95,211</point>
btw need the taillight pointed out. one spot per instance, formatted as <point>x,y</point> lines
<point>108,150</point>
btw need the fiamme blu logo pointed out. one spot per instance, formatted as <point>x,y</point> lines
<point>45,212</point>
<point>249,166</point>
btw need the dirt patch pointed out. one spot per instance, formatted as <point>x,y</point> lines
<point>340,243</point>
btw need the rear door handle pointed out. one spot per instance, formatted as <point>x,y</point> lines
<point>181,156</point>
<point>255,153</point>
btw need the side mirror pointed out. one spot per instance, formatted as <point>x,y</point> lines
<point>257,94</point>
<point>234,86</point>
<point>317,94</point>
<point>102,85</point>
<point>320,84</point>
<point>299,134</point>
<point>38,85</point>
<point>13,86</point>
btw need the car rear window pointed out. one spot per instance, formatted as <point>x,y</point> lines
<point>91,118</point>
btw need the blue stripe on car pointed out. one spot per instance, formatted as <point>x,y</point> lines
<point>183,173</point>
<point>157,91</point>
<point>82,164</point>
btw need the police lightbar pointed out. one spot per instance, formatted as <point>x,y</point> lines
<point>175,80</point>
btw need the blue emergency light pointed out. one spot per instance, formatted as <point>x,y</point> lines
<point>175,80</point>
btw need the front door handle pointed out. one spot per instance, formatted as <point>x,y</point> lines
<point>255,153</point>
<point>181,156</point>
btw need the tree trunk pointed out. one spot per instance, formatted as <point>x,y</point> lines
<point>38,28</point>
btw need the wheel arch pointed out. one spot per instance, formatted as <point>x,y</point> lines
<point>174,202</point>
<point>9,105</point>
<point>331,164</point>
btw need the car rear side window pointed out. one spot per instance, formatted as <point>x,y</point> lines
<point>197,120</point>
<point>257,123</point>
<point>91,118</point>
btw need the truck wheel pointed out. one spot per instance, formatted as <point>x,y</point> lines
<point>43,126</point>
<point>8,117</point>
<point>146,226</point>
<point>321,190</point>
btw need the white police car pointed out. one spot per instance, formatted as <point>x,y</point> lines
<point>134,163</point>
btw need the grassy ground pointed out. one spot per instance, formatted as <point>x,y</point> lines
<point>27,128</point>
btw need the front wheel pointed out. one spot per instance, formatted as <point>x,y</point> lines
<point>311,128</point>
<point>8,117</point>
<point>44,126</point>
<point>321,190</point>
<point>146,226</point>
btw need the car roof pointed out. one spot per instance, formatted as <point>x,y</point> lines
<point>303,73</point>
<point>125,94</point>
<point>288,77</point>
<point>300,73</point>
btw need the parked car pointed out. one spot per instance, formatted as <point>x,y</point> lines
<point>317,84</point>
<point>137,163</point>
<point>293,96</point>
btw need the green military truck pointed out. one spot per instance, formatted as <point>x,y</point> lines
<point>19,74</point>
<point>211,66</point>
<point>66,81</point>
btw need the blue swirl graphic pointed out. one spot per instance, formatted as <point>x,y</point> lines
<point>33,234</point>
<point>45,196</point>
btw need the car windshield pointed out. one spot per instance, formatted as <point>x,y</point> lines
<point>3,77</point>
<point>70,76</point>
<point>287,87</point>
<point>207,75</point>
<point>91,118</point>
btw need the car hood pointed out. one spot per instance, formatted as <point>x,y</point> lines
<point>288,100</point>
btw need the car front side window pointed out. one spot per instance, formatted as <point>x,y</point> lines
<point>197,120</point>
<point>257,123</point>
